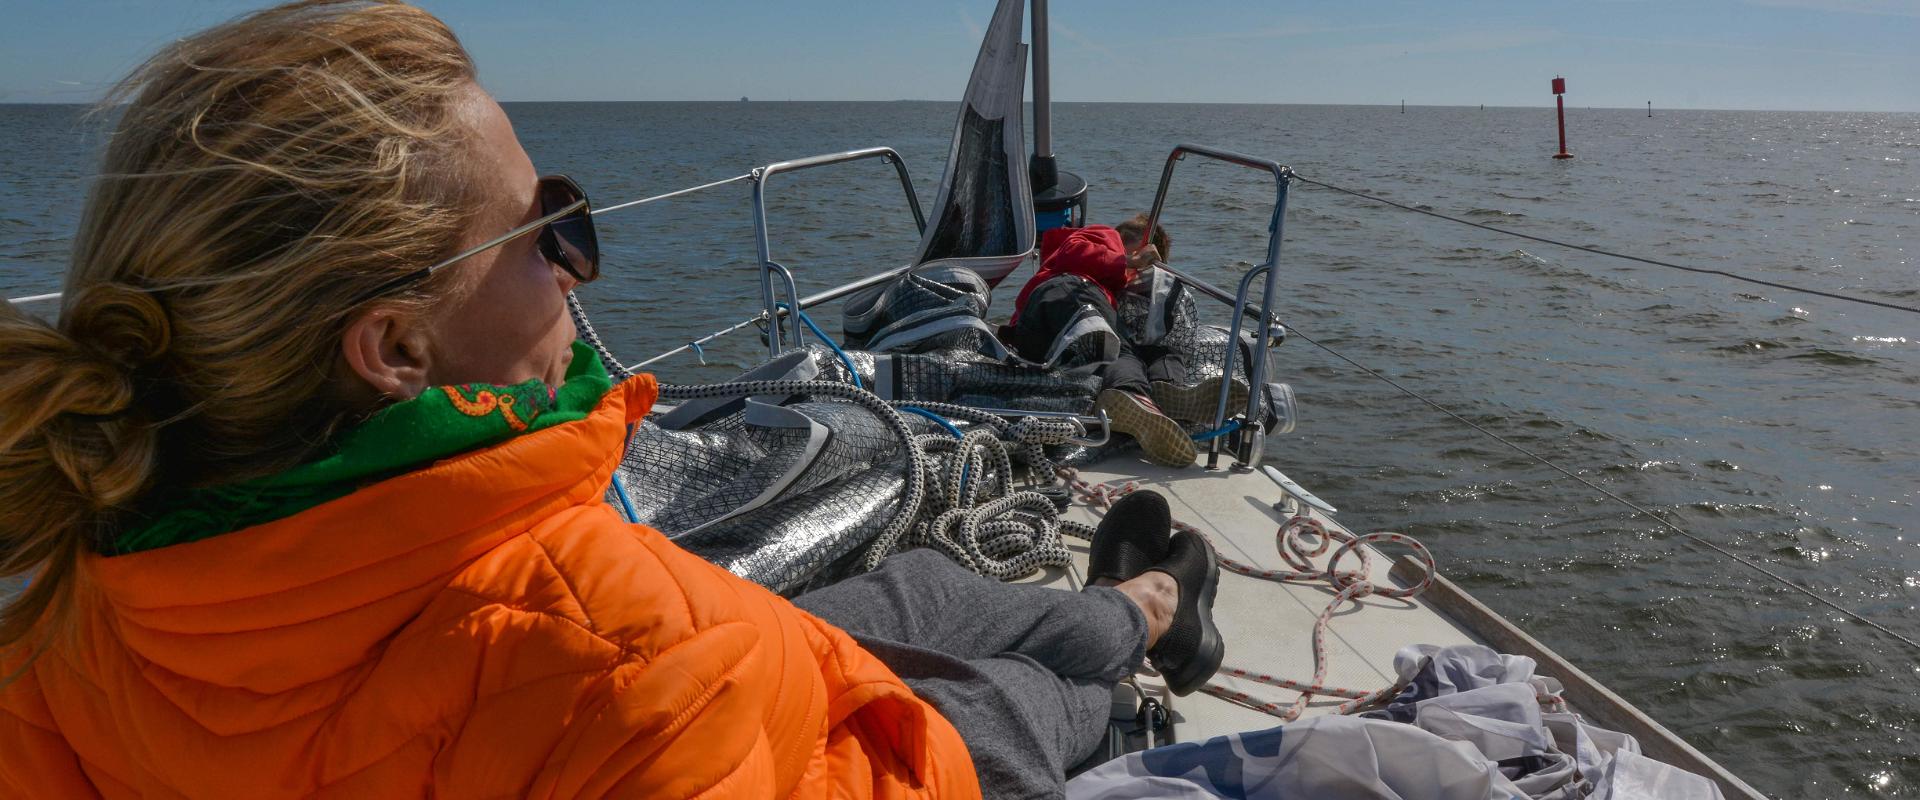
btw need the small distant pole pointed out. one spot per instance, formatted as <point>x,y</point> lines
<point>1560,104</point>
<point>1649,109</point>
<point>1403,106</point>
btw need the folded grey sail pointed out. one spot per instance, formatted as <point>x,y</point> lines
<point>983,215</point>
<point>776,489</point>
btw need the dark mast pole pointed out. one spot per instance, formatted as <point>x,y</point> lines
<point>1058,197</point>
<point>1043,172</point>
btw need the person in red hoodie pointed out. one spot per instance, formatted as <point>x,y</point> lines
<point>1083,272</point>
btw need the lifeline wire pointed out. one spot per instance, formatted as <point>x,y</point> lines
<point>676,193</point>
<point>1642,510</point>
<point>1598,251</point>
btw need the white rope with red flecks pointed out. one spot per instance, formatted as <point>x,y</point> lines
<point>1299,540</point>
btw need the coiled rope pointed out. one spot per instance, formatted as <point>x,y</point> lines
<point>1299,540</point>
<point>975,511</point>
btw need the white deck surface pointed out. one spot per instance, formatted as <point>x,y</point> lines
<point>1268,625</point>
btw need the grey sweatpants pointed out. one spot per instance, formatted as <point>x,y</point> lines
<point>1025,674</point>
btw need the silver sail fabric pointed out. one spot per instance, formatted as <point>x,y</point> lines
<point>983,215</point>
<point>776,490</point>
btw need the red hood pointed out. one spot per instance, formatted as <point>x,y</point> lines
<point>1094,253</point>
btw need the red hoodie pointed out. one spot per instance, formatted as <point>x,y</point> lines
<point>1093,253</point>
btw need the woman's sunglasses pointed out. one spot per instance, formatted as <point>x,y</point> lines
<point>566,238</point>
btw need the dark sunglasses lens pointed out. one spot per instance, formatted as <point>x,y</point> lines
<point>569,240</point>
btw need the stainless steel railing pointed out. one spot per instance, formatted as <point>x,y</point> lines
<point>1251,436</point>
<point>1247,441</point>
<point>768,267</point>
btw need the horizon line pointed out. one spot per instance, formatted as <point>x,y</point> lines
<point>1656,107</point>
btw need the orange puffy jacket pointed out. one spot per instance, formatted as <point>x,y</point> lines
<point>484,627</point>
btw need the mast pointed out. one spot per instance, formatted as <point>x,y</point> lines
<point>1042,95</point>
<point>1059,198</point>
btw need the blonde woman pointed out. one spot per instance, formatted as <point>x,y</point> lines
<point>306,485</point>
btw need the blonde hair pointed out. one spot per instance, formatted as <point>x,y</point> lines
<point>266,176</point>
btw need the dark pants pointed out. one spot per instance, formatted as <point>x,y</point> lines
<point>1057,303</point>
<point>1139,366</point>
<point>1025,674</point>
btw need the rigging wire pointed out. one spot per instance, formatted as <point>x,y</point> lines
<point>1598,251</point>
<point>1641,510</point>
<point>676,193</point>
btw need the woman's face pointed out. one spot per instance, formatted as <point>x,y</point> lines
<point>503,316</point>
<point>506,318</point>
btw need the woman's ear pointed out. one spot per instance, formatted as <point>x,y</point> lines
<point>388,350</point>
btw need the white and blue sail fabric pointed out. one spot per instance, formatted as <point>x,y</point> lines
<point>1471,724</point>
<point>1322,757</point>
<point>1473,694</point>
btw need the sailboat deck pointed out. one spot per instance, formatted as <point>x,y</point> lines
<point>1268,625</point>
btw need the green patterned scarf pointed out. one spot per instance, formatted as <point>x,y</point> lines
<point>443,421</point>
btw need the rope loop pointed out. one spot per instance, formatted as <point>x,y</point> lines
<point>1293,536</point>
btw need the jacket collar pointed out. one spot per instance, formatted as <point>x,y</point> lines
<point>309,596</point>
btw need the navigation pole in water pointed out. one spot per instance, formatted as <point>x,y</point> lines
<point>1560,104</point>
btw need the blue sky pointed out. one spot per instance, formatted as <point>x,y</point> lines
<point>1771,54</point>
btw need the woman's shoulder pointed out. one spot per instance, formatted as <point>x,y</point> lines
<point>622,583</point>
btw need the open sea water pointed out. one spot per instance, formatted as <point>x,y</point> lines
<point>1780,426</point>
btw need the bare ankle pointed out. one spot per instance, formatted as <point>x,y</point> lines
<point>1158,596</point>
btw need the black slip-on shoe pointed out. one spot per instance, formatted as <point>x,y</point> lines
<point>1131,539</point>
<point>1191,649</point>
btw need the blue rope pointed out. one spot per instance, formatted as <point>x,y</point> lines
<point>844,358</point>
<point>626,505</point>
<point>951,428</point>
<point>1231,426</point>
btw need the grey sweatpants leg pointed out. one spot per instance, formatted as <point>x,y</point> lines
<point>1025,674</point>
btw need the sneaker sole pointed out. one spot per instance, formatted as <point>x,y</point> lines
<point>1199,402</point>
<point>1162,440</point>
